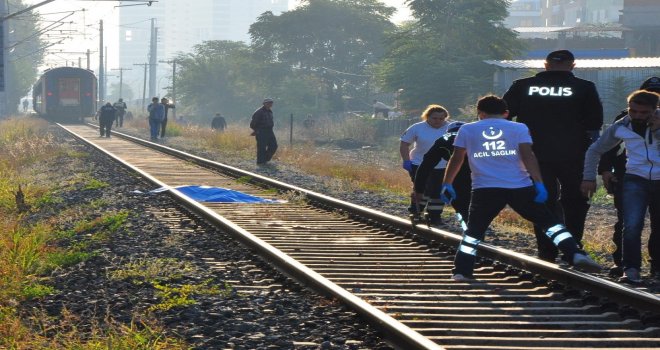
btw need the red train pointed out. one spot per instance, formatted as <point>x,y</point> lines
<point>65,94</point>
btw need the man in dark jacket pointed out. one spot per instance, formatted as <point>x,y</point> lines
<point>167,106</point>
<point>107,115</point>
<point>120,106</point>
<point>262,125</point>
<point>218,122</point>
<point>156,115</point>
<point>564,115</point>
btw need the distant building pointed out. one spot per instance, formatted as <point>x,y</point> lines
<point>614,78</point>
<point>525,13</point>
<point>598,28</point>
<point>643,18</point>
<point>182,26</point>
<point>562,13</point>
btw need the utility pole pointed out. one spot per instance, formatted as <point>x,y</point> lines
<point>173,63</point>
<point>105,72</point>
<point>3,61</point>
<point>101,68</point>
<point>153,58</point>
<point>121,79</point>
<point>144,82</point>
<point>87,59</point>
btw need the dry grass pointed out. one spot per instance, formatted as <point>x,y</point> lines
<point>69,332</point>
<point>27,251</point>
<point>361,175</point>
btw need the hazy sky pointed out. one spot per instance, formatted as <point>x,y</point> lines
<point>84,31</point>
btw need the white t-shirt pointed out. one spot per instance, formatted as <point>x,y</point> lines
<point>493,154</point>
<point>423,136</point>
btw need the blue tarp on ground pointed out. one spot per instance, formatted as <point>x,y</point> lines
<point>217,195</point>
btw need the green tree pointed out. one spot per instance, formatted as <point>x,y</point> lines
<point>439,58</point>
<point>25,53</point>
<point>126,92</point>
<point>333,42</point>
<point>222,76</point>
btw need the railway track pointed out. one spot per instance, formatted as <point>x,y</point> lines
<point>399,278</point>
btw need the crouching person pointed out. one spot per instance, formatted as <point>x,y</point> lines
<point>504,171</point>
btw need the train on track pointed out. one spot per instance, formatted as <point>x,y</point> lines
<point>65,94</point>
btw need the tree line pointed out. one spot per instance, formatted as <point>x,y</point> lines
<point>331,56</point>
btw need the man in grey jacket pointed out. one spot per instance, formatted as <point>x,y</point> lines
<point>640,133</point>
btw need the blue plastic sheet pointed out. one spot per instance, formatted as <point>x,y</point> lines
<point>218,195</point>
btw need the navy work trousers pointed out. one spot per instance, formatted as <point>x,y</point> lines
<point>487,203</point>
<point>565,200</point>
<point>266,145</point>
<point>105,125</point>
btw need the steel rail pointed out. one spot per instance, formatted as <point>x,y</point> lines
<point>616,292</point>
<point>401,336</point>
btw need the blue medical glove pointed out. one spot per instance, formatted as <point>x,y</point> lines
<point>541,193</point>
<point>447,193</point>
<point>407,164</point>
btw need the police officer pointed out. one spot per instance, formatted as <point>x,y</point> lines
<point>564,115</point>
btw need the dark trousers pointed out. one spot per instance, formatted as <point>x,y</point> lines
<point>462,185</point>
<point>105,125</point>
<point>266,145</point>
<point>565,200</point>
<point>163,126</point>
<point>120,119</point>
<point>487,203</point>
<point>431,200</point>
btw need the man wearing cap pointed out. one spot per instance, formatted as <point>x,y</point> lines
<point>262,125</point>
<point>564,115</point>
<point>612,168</point>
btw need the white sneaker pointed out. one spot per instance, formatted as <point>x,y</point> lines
<point>584,263</point>
<point>460,278</point>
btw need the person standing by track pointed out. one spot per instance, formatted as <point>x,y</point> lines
<point>107,115</point>
<point>612,168</point>
<point>163,124</point>
<point>421,136</point>
<point>262,124</point>
<point>441,150</point>
<point>504,172</point>
<point>156,114</point>
<point>218,122</point>
<point>120,106</point>
<point>564,115</point>
<point>639,131</point>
